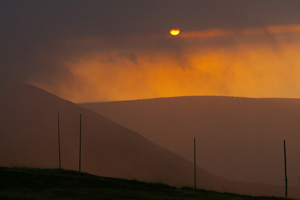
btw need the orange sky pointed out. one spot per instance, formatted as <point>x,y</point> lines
<point>117,50</point>
<point>252,62</point>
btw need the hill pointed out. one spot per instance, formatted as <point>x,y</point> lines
<point>28,137</point>
<point>29,183</point>
<point>237,138</point>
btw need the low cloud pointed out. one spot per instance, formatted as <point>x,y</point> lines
<point>232,65</point>
<point>111,50</point>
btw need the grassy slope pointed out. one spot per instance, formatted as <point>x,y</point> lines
<point>27,183</point>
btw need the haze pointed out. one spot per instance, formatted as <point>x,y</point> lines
<point>76,51</point>
<point>238,138</point>
<point>116,50</point>
<point>29,139</point>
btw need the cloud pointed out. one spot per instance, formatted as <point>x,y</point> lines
<point>243,65</point>
<point>57,45</point>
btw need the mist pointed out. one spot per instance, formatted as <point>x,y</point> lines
<point>110,50</point>
<point>116,50</point>
<point>240,64</point>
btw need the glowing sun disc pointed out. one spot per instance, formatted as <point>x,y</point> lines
<point>174,31</point>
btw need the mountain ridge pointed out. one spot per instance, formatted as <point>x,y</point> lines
<point>180,97</point>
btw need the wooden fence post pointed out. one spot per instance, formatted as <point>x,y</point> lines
<point>80,145</point>
<point>285,171</point>
<point>195,168</point>
<point>58,132</point>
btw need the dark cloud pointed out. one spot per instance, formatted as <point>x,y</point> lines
<point>33,32</point>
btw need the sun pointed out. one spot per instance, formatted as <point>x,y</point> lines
<point>174,32</point>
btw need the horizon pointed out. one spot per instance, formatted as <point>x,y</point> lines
<point>177,97</point>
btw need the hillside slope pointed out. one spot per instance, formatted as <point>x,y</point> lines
<point>237,138</point>
<point>28,183</point>
<point>29,138</point>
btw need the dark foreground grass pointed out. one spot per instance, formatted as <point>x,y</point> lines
<point>28,183</point>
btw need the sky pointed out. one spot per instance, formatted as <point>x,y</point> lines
<point>109,50</point>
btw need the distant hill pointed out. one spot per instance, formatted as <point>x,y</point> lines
<point>237,138</point>
<point>28,183</point>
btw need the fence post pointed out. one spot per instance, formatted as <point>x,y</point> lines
<point>285,171</point>
<point>195,177</point>
<point>80,144</point>
<point>58,132</point>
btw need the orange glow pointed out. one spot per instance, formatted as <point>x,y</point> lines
<point>174,32</point>
<point>263,68</point>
